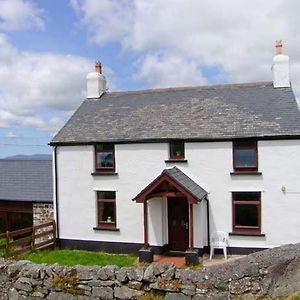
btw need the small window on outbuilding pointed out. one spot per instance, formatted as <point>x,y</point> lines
<point>177,150</point>
<point>106,209</point>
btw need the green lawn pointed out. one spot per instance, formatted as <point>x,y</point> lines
<point>80,257</point>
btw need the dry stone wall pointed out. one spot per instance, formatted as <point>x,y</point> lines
<point>269,274</point>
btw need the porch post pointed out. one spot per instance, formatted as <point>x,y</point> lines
<point>191,227</point>
<point>191,255</point>
<point>146,253</point>
<point>146,245</point>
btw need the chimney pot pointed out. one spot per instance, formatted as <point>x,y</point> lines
<point>279,47</point>
<point>98,67</point>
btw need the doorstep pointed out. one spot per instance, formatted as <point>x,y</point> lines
<point>178,261</point>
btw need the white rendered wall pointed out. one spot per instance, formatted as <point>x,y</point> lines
<point>209,165</point>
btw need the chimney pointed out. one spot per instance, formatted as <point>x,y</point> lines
<point>280,68</point>
<point>96,82</point>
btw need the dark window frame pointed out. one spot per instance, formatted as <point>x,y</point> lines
<point>107,148</point>
<point>172,154</point>
<point>255,201</point>
<point>245,145</point>
<point>101,223</point>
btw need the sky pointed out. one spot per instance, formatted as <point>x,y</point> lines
<point>47,47</point>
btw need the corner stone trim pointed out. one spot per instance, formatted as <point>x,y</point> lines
<point>42,213</point>
<point>270,273</point>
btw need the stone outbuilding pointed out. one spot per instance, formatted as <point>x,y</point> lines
<point>26,193</point>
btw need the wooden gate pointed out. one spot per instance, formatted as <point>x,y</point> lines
<point>37,237</point>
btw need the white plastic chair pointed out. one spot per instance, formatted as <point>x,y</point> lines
<point>218,240</point>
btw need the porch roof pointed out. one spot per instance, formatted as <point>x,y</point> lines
<point>179,180</point>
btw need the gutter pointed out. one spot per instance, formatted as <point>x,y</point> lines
<point>188,140</point>
<point>56,193</point>
<point>207,216</point>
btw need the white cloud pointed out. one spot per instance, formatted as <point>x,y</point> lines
<point>10,119</point>
<point>106,20</point>
<point>19,15</point>
<point>35,87</point>
<point>162,70</point>
<point>11,135</point>
<point>237,36</point>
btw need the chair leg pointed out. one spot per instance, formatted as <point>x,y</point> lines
<point>225,252</point>
<point>212,250</point>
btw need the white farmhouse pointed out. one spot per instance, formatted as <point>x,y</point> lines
<point>161,169</point>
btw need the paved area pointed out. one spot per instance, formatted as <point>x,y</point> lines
<point>218,258</point>
<point>179,261</point>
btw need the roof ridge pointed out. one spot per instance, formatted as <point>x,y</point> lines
<point>3,159</point>
<point>183,88</point>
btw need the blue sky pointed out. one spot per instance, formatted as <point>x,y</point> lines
<point>47,47</point>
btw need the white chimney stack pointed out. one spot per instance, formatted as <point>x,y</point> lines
<point>280,68</point>
<point>96,82</point>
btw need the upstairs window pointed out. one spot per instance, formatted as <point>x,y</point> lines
<point>176,150</point>
<point>245,156</point>
<point>106,209</point>
<point>246,212</point>
<point>105,157</point>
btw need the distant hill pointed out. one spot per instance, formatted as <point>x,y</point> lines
<point>30,157</point>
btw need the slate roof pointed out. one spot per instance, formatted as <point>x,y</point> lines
<point>191,113</point>
<point>26,180</point>
<point>186,182</point>
<point>181,179</point>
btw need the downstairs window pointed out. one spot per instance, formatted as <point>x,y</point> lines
<point>246,213</point>
<point>106,209</point>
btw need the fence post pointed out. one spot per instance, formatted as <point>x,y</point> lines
<point>7,244</point>
<point>54,234</point>
<point>33,238</point>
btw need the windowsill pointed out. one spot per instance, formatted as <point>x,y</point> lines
<point>97,173</point>
<point>103,228</point>
<point>246,234</point>
<point>181,160</point>
<point>246,173</point>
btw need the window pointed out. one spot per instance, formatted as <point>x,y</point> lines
<point>245,156</point>
<point>246,212</point>
<point>176,150</point>
<point>105,157</point>
<point>106,209</point>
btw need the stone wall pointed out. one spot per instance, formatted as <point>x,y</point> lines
<point>42,212</point>
<point>270,273</point>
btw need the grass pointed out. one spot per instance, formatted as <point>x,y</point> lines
<point>294,296</point>
<point>150,296</point>
<point>79,257</point>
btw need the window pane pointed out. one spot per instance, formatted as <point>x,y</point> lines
<point>245,157</point>
<point>246,215</point>
<point>177,149</point>
<point>106,146</point>
<point>106,195</point>
<point>106,212</point>
<point>105,160</point>
<point>246,196</point>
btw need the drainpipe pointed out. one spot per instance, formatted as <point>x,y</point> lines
<point>207,216</point>
<point>56,192</point>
